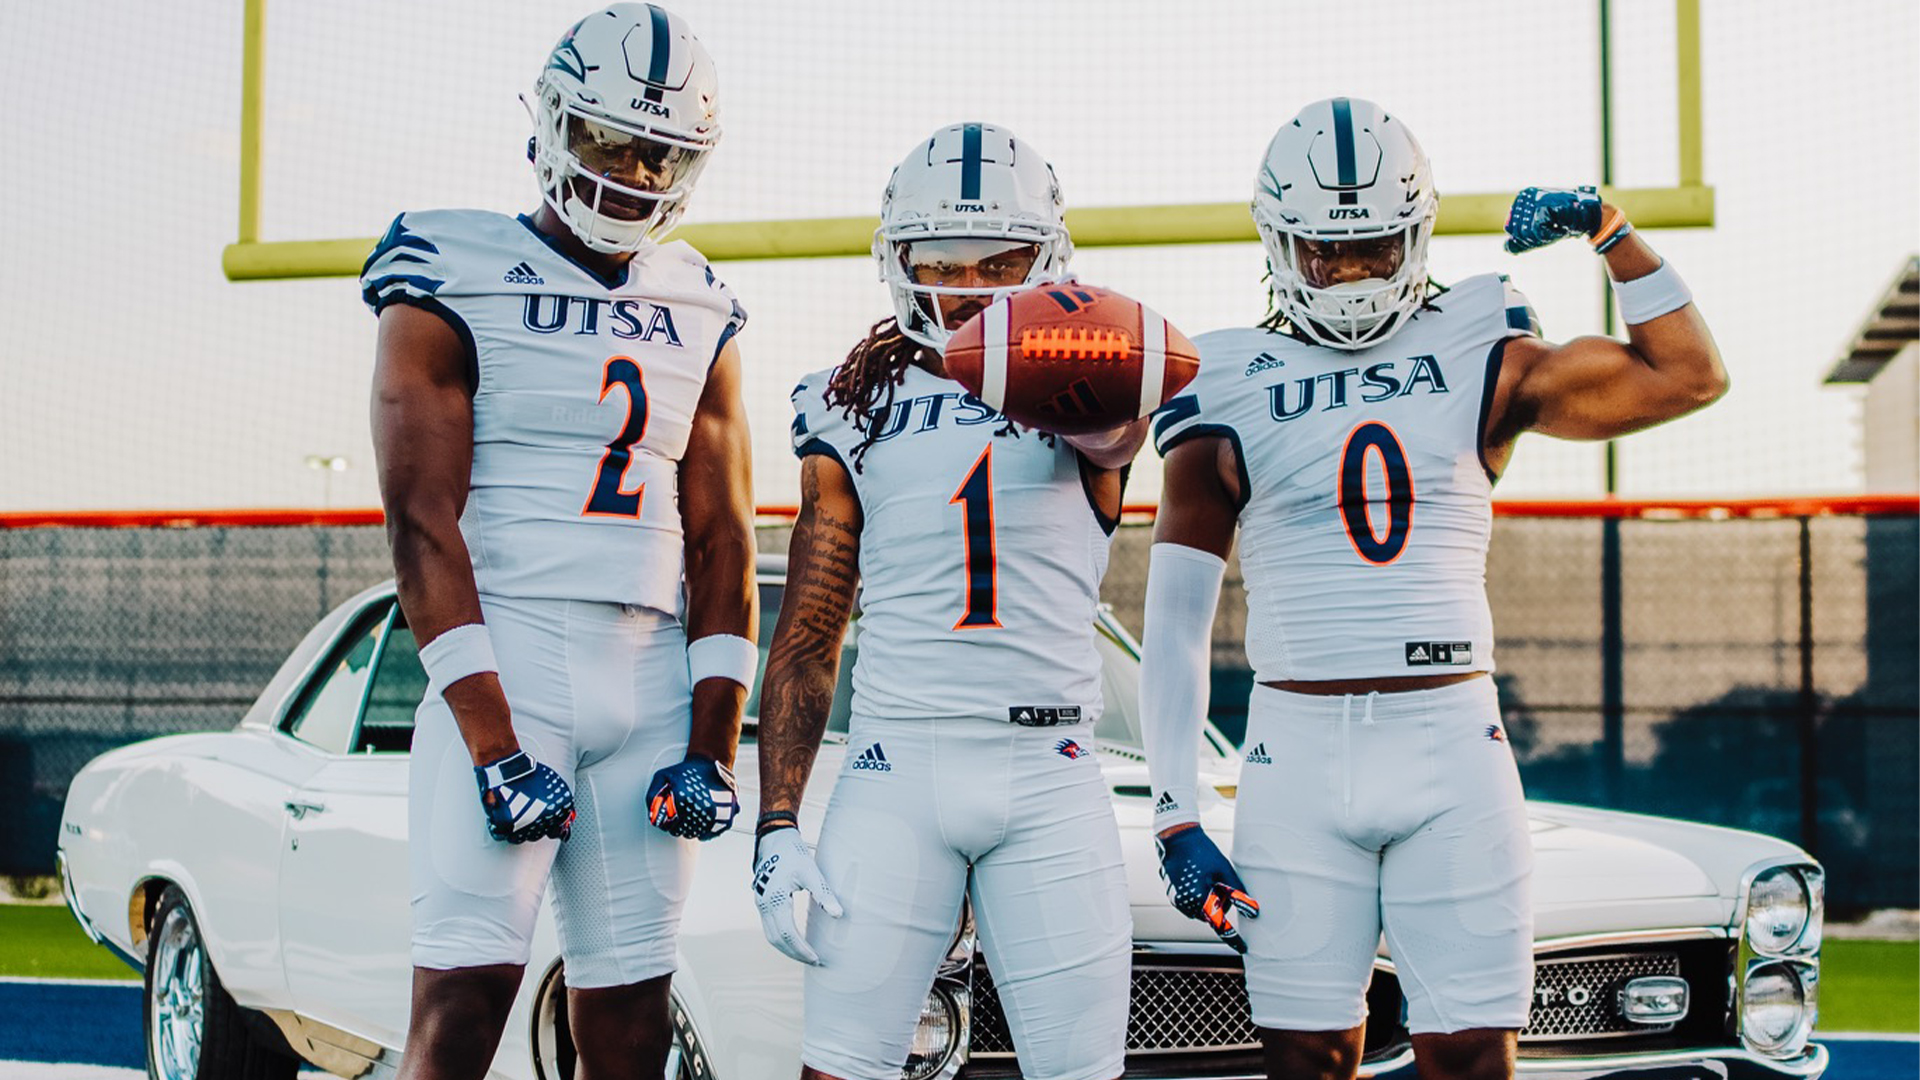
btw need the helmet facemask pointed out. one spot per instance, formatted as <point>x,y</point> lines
<point>959,218</point>
<point>1353,314</point>
<point>981,265</point>
<point>618,185</point>
<point>624,116</point>
<point>1345,206</point>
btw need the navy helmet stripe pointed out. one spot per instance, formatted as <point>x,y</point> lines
<point>970,162</point>
<point>1343,148</point>
<point>662,51</point>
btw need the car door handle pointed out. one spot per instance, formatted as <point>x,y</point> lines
<point>302,809</point>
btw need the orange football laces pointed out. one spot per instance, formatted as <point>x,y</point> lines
<point>1054,343</point>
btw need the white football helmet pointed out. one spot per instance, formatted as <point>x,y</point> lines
<point>967,182</point>
<point>1343,170</point>
<point>624,117</point>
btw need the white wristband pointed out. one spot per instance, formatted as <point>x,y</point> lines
<point>457,653</point>
<point>723,656</point>
<point>1650,296</point>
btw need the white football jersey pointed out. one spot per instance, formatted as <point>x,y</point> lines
<point>1369,503</point>
<point>586,390</point>
<point>980,559</point>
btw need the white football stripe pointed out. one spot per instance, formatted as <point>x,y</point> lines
<point>1153,359</point>
<point>993,359</point>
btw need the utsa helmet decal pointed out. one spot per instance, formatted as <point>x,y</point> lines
<point>1344,172</point>
<point>625,115</point>
<point>969,182</point>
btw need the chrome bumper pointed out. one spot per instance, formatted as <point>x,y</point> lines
<point>1720,1063</point>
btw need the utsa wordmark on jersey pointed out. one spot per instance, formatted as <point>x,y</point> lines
<point>584,393</point>
<point>989,561</point>
<point>1367,492</point>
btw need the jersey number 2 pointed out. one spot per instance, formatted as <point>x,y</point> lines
<point>975,496</point>
<point>607,499</point>
<point>1356,511</point>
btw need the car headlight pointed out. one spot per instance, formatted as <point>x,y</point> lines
<point>936,1038</point>
<point>1779,1001</point>
<point>1784,911</point>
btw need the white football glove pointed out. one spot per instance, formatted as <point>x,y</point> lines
<point>782,866</point>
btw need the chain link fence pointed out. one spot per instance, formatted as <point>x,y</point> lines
<point>1753,672</point>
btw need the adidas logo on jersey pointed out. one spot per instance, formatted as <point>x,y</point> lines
<point>522,274</point>
<point>873,759</point>
<point>1258,755</point>
<point>1439,653</point>
<point>1167,803</point>
<point>1264,362</point>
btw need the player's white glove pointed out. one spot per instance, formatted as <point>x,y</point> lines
<point>782,866</point>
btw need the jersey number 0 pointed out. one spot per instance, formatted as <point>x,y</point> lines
<point>1356,510</point>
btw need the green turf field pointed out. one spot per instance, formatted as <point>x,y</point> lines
<point>43,941</point>
<point>1864,985</point>
<point>1870,986</point>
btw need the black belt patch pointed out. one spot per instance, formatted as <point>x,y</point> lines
<point>1043,715</point>
<point>1439,653</point>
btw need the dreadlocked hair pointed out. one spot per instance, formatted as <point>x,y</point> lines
<point>862,386</point>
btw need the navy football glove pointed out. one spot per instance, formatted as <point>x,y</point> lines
<point>1202,884</point>
<point>1541,216</point>
<point>524,799</point>
<point>694,800</point>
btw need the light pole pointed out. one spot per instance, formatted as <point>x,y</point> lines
<point>328,464</point>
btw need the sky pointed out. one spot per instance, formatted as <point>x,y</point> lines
<point>134,376</point>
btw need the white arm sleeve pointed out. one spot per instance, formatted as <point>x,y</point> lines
<point>1183,588</point>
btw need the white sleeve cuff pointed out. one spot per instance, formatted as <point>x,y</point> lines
<point>457,653</point>
<point>722,656</point>
<point>1183,589</point>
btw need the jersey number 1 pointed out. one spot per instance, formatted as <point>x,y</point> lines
<point>975,497</point>
<point>1355,509</point>
<point>607,499</point>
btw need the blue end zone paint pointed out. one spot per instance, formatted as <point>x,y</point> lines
<point>75,1024</point>
<point>99,1024</point>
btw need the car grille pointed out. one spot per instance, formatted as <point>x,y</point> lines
<point>1578,997</point>
<point>1202,1007</point>
<point>1174,1009</point>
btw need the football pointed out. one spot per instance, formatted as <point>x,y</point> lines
<point>1071,359</point>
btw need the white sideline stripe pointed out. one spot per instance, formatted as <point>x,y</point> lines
<point>1153,359</point>
<point>993,362</point>
<point>69,982</point>
<point>1866,1036</point>
<point>45,1070</point>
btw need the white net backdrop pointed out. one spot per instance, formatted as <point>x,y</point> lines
<point>132,375</point>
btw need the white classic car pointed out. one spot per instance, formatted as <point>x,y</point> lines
<point>258,877</point>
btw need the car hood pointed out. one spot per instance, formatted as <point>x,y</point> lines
<point>1595,871</point>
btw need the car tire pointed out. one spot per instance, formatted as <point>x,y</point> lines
<point>553,1039</point>
<point>192,1027</point>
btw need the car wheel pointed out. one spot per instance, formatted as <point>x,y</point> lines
<point>687,1059</point>
<point>553,1053</point>
<point>194,1030</point>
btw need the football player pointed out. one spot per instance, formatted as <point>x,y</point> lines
<point>558,417</point>
<point>1354,440</point>
<point>978,549</point>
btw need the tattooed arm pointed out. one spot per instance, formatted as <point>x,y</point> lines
<point>823,567</point>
